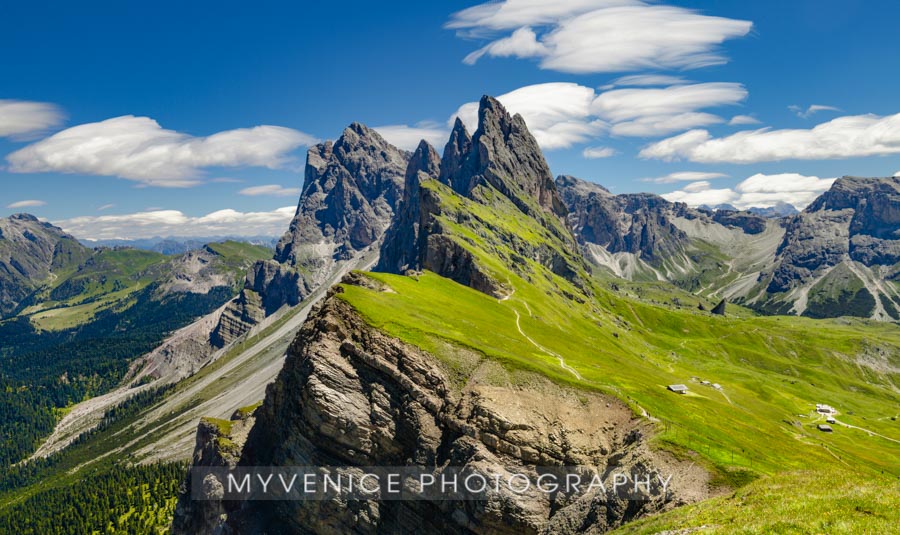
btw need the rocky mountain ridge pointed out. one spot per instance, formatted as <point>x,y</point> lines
<point>501,163</point>
<point>837,257</point>
<point>352,187</point>
<point>400,406</point>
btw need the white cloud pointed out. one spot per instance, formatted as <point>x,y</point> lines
<point>517,13</point>
<point>660,125</point>
<point>626,104</point>
<point>651,112</point>
<point>590,36</point>
<point>594,153</point>
<point>684,176</point>
<point>756,191</point>
<point>642,80</point>
<point>812,109</point>
<point>844,137</point>
<point>743,120</point>
<point>164,223</point>
<point>30,203</point>
<point>558,114</point>
<point>22,119</point>
<point>106,207</point>
<point>408,137</point>
<point>137,148</point>
<point>897,173</point>
<point>561,114</point>
<point>270,189</point>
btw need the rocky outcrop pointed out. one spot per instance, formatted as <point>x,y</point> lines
<point>749,222</point>
<point>30,252</point>
<point>504,154</point>
<point>350,192</point>
<point>219,443</point>
<point>351,396</point>
<point>352,187</point>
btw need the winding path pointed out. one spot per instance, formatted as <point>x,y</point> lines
<point>562,361</point>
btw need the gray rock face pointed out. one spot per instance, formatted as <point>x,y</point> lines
<point>351,190</point>
<point>855,224</point>
<point>402,243</point>
<point>350,193</point>
<point>30,251</point>
<point>633,223</point>
<point>351,396</point>
<point>504,154</point>
<point>219,443</point>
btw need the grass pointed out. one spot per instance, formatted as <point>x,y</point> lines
<point>772,369</point>
<point>809,501</point>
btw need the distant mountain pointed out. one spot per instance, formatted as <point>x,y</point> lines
<point>178,245</point>
<point>780,209</point>
<point>31,254</point>
<point>838,257</point>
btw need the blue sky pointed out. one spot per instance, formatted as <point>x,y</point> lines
<point>124,120</point>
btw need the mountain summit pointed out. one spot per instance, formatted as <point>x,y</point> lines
<point>491,194</point>
<point>351,190</point>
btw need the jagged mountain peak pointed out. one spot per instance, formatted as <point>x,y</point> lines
<point>503,154</point>
<point>496,185</point>
<point>455,151</point>
<point>506,155</point>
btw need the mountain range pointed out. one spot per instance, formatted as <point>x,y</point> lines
<point>513,320</point>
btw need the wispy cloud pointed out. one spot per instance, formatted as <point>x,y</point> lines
<point>844,137</point>
<point>645,80</point>
<point>739,120</point>
<point>270,189</point>
<point>594,153</point>
<point>22,119</point>
<point>562,114</point>
<point>592,36</point>
<point>165,223</point>
<point>812,109</point>
<point>408,137</point>
<point>105,207</point>
<point>684,176</point>
<point>29,203</point>
<point>759,190</point>
<point>138,149</point>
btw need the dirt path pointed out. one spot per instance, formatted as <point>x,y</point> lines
<point>871,433</point>
<point>562,361</point>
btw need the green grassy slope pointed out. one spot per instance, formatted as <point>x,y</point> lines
<point>771,369</point>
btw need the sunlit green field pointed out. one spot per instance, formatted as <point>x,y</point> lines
<point>771,370</point>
